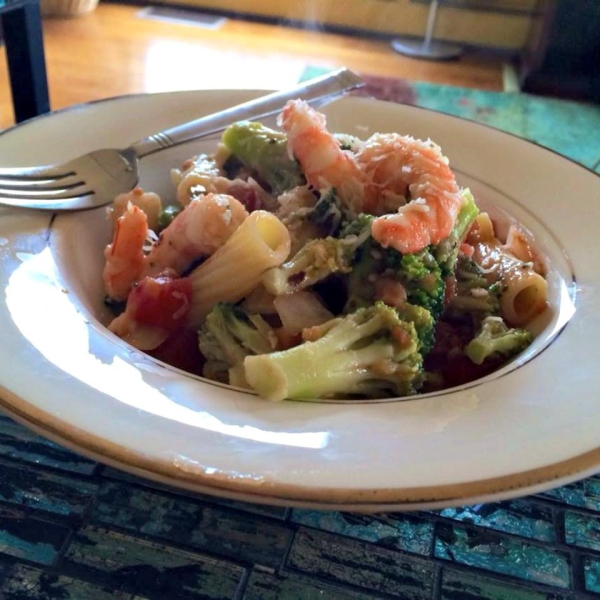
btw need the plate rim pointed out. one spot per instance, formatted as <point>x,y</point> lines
<point>401,498</point>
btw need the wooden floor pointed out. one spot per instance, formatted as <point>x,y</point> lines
<point>116,51</point>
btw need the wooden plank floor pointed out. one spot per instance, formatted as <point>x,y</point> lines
<point>114,51</point>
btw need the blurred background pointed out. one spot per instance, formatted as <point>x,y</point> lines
<point>97,49</point>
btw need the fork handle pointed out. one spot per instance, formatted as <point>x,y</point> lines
<point>315,91</point>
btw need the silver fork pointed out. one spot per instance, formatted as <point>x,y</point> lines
<point>94,179</point>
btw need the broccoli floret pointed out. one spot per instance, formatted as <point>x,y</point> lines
<point>229,335</point>
<point>330,214</point>
<point>419,274</point>
<point>370,352</point>
<point>474,296</point>
<point>496,338</point>
<point>422,278</point>
<point>264,151</point>
<point>424,324</point>
<point>446,252</point>
<point>316,260</point>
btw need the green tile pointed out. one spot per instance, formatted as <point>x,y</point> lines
<point>458,585</point>
<point>276,512</point>
<point>518,517</point>
<point>45,491</point>
<point>32,584</point>
<point>491,551</point>
<point>271,586</point>
<point>231,533</point>
<point>403,532</point>
<point>119,561</point>
<point>584,494</point>
<point>22,536</point>
<point>582,530</point>
<point>361,564</point>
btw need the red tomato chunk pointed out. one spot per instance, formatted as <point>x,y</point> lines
<point>162,301</point>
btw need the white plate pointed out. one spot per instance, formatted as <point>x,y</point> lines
<point>531,426</point>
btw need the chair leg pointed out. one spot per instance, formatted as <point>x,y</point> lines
<point>24,43</point>
<point>428,48</point>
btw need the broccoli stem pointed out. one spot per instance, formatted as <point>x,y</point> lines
<point>369,350</point>
<point>305,371</point>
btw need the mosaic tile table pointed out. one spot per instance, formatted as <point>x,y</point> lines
<point>72,529</point>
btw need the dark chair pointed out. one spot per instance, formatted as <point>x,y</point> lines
<point>22,29</point>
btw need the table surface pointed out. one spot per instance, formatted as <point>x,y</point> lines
<point>73,529</point>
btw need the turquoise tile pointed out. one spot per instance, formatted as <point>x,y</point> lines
<point>273,586</point>
<point>19,443</point>
<point>591,573</point>
<point>583,494</point>
<point>31,539</point>
<point>517,517</point>
<point>276,512</point>
<point>118,561</point>
<point>33,584</point>
<point>361,564</point>
<point>582,530</point>
<point>45,491</point>
<point>459,585</point>
<point>219,530</point>
<point>392,531</point>
<point>502,554</point>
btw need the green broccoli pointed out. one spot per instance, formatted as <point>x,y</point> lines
<point>166,216</point>
<point>316,260</point>
<point>474,296</point>
<point>330,214</point>
<point>422,278</point>
<point>496,338</point>
<point>370,352</point>
<point>446,252</point>
<point>229,335</point>
<point>419,274</point>
<point>265,152</point>
<point>424,324</point>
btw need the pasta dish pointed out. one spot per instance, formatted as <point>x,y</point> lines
<point>303,264</point>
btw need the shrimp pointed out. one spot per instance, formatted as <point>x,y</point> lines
<point>197,231</point>
<point>125,258</point>
<point>402,164</point>
<point>323,162</point>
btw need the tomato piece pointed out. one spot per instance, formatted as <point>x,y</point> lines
<point>181,350</point>
<point>162,301</point>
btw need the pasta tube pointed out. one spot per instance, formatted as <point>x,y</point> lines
<point>235,269</point>
<point>524,291</point>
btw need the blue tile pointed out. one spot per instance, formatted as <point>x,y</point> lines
<point>31,539</point>
<point>582,530</point>
<point>362,564</point>
<point>502,554</point>
<point>19,443</point>
<point>518,517</point>
<point>45,491</point>
<point>181,520</point>
<point>403,532</point>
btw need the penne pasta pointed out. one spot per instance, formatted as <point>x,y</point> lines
<point>305,265</point>
<point>524,291</point>
<point>235,269</point>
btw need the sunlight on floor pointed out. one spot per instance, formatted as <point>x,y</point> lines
<point>206,68</point>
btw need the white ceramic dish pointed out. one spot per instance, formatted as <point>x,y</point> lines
<point>530,426</point>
